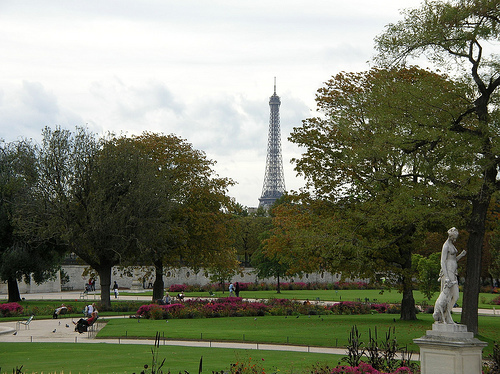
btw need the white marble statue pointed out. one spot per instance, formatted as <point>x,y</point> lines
<point>449,279</point>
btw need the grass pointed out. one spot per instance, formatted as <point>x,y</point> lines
<point>322,331</point>
<point>124,358</point>
<point>109,358</point>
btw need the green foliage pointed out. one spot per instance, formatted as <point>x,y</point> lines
<point>266,266</point>
<point>22,255</point>
<point>151,199</point>
<point>493,362</point>
<point>461,37</point>
<point>355,350</point>
<point>444,32</point>
<point>428,269</point>
<point>372,160</point>
<point>175,203</point>
<point>246,233</point>
<point>222,267</point>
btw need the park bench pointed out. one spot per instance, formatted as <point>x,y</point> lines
<point>60,311</point>
<point>85,293</point>
<point>25,322</point>
<point>83,326</point>
<point>94,328</point>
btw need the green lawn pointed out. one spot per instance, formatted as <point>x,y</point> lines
<point>124,358</point>
<point>323,331</point>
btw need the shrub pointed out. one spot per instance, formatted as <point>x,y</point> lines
<point>493,364</point>
<point>177,288</point>
<point>236,307</point>
<point>10,309</point>
<point>380,308</point>
<point>496,301</point>
<point>156,312</point>
<point>124,306</point>
<point>429,309</point>
<point>394,309</point>
<point>364,368</point>
<point>247,366</point>
<point>350,307</point>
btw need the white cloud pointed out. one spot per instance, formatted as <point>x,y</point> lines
<point>202,70</point>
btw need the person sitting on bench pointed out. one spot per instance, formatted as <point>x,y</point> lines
<point>83,324</point>
<point>166,300</point>
<point>61,310</point>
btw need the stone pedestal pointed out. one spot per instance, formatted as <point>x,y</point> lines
<point>450,349</point>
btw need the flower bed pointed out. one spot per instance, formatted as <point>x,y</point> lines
<point>365,368</point>
<point>10,310</point>
<point>236,307</point>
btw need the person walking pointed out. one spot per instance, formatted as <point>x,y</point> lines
<point>231,289</point>
<point>115,289</point>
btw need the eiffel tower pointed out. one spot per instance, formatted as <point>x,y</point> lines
<point>274,180</point>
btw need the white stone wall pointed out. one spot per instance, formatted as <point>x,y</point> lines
<point>49,286</point>
<point>174,276</point>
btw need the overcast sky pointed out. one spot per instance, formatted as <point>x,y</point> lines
<point>201,69</point>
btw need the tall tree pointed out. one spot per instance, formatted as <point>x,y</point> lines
<point>178,204</point>
<point>268,264</point>
<point>22,256</point>
<point>460,35</point>
<point>246,232</point>
<point>149,199</point>
<point>78,199</point>
<point>374,157</point>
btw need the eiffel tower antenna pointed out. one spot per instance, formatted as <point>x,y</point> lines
<point>274,180</point>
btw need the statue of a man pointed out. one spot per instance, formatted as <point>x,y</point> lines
<point>449,279</point>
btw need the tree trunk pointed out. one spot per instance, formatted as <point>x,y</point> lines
<point>158,284</point>
<point>406,245</point>
<point>278,286</point>
<point>408,312</point>
<point>13,290</point>
<point>477,219</point>
<point>105,281</point>
<point>476,229</point>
